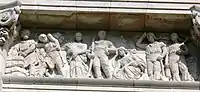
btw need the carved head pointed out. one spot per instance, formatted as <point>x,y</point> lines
<point>78,37</point>
<point>102,35</point>
<point>122,51</point>
<point>58,36</point>
<point>174,37</point>
<point>43,38</point>
<point>133,51</point>
<point>195,10</point>
<point>151,37</point>
<point>25,34</point>
<point>4,35</point>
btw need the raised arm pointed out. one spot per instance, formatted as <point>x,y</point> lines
<point>53,39</point>
<point>139,42</point>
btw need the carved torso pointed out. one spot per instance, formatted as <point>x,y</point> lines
<point>24,45</point>
<point>174,48</point>
<point>100,46</point>
<point>154,48</point>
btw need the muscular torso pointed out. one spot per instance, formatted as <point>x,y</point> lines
<point>24,45</point>
<point>100,46</point>
<point>154,48</point>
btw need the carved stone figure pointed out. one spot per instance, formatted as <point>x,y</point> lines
<point>155,52</point>
<point>52,48</point>
<point>128,65</point>
<point>78,56</point>
<point>102,49</point>
<point>177,61</point>
<point>25,49</point>
<point>195,33</point>
<point>9,14</point>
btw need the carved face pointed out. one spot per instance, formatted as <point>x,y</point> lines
<point>174,37</point>
<point>78,36</point>
<point>150,37</point>
<point>25,34</point>
<point>102,35</point>
<point>43,38</point>
<point>121,52</point>
<point>4,35</point>
<point>4,16</point>
<point>59,37</point>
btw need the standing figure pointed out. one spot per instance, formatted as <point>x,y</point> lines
<point>77,53</point>
<point>129,66</point>
<point>155,52</point>
<point>177,60</point>
<point>101,51</point>
<point>52,48</point>
<point>26,50</point>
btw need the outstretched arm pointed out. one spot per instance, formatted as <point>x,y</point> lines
<point>139,42</point>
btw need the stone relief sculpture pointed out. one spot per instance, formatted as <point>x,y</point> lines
<point>23,52</point>
<point>52,48</point>
<point>9,15</point>
<point>155,53</point>
<point>46,58</point>
<point>128,65</point>
<point>195,34</point>
<point>102,49</point>
<point>78,57</point>
<point>177,60</point>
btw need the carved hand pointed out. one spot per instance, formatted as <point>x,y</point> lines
<point>22,54</point>
<point>75,55</point>
<point>91,56</point>
<point>159,58</point>
<point>107,52</point>
<point>144,35</point>
<point>178,52</point>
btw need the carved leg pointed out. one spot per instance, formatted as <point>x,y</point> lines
<point>96,67</point>
<point>105,66</point>
<point>150,69</point>
<point>175,71</point>
<point>184,71</point>
<point>58,61</point>
<point>72,69</point>
<point>157,70</point>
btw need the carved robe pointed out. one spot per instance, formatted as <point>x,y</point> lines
<point>132,68</point>
<point>178,62</point>
<point>52,49</point>
<point>30,59</point>
<point>78,66</point>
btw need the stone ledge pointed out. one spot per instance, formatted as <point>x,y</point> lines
<point>30,84</point>
<point>147,6</point>
<point>101,82</point>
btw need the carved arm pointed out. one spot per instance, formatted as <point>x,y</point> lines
<point>31,48</point>
<point>53,39</point>
<point>139,42</point>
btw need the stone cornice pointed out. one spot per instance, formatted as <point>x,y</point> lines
<point>24,82</point>
<point>134,6</point>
